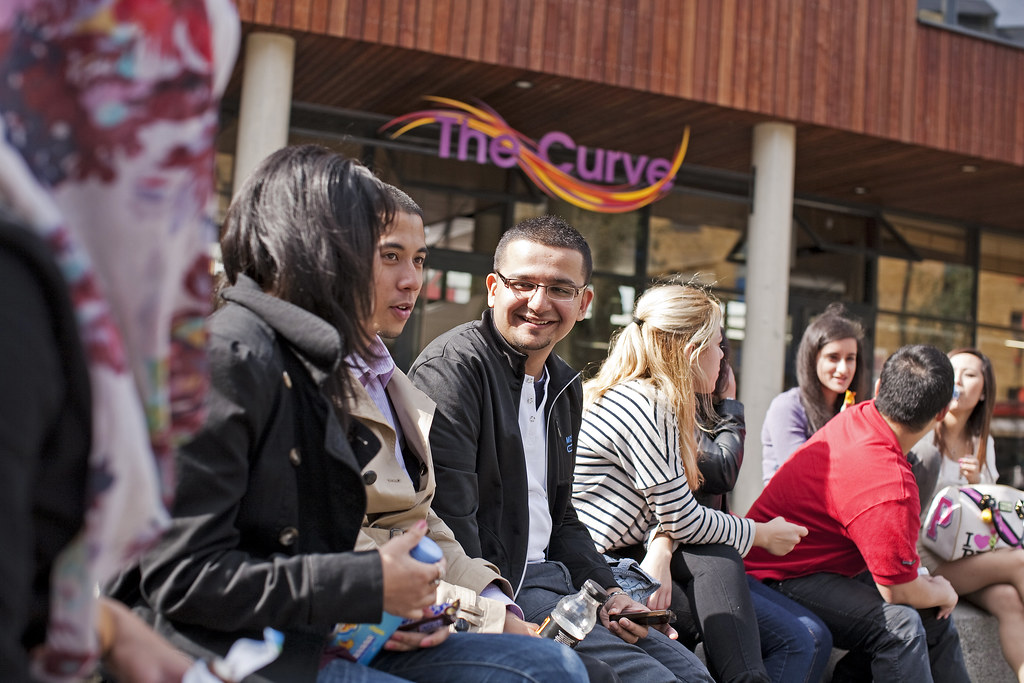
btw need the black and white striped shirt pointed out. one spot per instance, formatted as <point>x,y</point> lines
<point>630,480</point>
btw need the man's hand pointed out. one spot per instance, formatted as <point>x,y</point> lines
<point>515,625</point>
<point>922,593</point>
<point>624,628</point>
<point>405,641</point>
<point>778,536</point>
<point>943,584</point>
<point>409,585</point>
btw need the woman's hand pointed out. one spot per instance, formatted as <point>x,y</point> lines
<point>729,385</point>
<point>136,653</point>
<point>778,536</point>
<point>658,562</point>
<point>409,585</point>
<point>970,469</point>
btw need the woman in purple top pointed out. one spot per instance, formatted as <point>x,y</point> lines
<point>830,360</point>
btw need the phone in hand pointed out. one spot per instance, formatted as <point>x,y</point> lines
<point>441,616</point>
<point>646,617</point>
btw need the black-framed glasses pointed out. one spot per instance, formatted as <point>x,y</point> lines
<point>526,288</point>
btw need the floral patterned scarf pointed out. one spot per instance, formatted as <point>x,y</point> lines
<point>108,116</point>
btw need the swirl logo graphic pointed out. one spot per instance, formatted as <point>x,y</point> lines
<point>505,147</point>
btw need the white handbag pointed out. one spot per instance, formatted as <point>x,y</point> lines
<point>966,520</point>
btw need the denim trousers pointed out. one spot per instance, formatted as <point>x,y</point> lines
<point>478,657</point>
<point>898,642</point>
<point>795,643</point>
<point>654,659</point>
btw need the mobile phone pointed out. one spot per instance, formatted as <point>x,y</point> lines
<point>647,617</point>
<point>443,615</point>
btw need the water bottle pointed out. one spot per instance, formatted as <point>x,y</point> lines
<point>575,615</point>
<point>364,641</point>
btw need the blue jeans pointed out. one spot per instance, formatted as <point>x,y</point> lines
<point>902,643</point>
<point>654,659</point>
<point>478,657</point>
<point>795,644</point>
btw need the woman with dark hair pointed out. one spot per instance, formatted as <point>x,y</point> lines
<point>961,452</point>
<point>271,495</point>
<point>323,262</point>
<point>831,373</point>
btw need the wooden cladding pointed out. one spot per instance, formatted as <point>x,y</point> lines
<point>864,66</point>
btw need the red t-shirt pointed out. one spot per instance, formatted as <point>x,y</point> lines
<point>853,489</point>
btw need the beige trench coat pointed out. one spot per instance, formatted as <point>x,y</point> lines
<point>393,504</point>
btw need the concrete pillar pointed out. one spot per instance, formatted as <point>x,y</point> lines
<point>266,101</point>
<point>769,236</point>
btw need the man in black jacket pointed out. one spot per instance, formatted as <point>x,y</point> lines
<point>504,443</point>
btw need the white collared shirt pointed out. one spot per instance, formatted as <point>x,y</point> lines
<point>533,430</point>
<point>374,375</point>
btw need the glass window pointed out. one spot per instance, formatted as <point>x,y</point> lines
<point>926,287</point>
<point>1005,348</point>
<point>1001,20</point>
<point>894,331</point>
<point>735,321</point>
<point>830,254</point>
<point>586,347</point>
<point>928,239</point>
<point>448,298</point>
<point>696,235</point>
<point>612,236</point>
<point>940,284</point>
<point>466,212</point>
<point>1001,280</point>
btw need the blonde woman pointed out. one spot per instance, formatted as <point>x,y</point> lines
<point>636,472</point>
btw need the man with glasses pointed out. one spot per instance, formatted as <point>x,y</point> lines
<point>504,444</point>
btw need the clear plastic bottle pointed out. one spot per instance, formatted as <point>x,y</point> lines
<point>574,616</point>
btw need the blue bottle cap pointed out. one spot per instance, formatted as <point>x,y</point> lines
<point>427,551</point>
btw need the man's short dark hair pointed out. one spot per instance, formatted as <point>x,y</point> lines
<point>403,202</point>
<point>915,385</point>
<point>551,231</point>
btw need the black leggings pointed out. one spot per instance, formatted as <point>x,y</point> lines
<point>718,603</point>
<point>712,602</point>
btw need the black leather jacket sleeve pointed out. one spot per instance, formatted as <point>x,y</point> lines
<point>720,451</point>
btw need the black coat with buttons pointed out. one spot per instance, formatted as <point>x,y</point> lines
<point>269,499</point>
